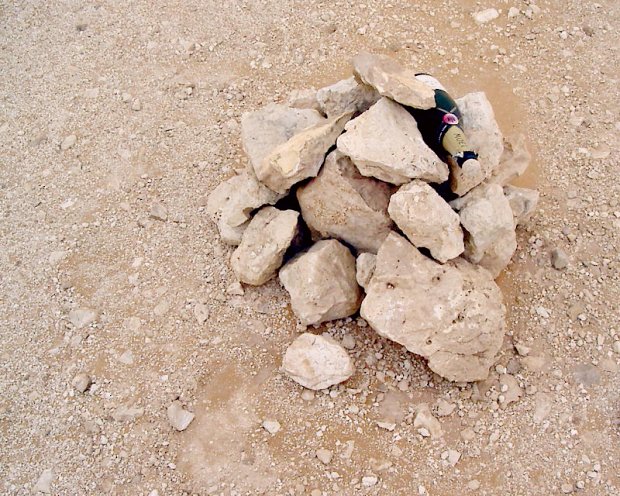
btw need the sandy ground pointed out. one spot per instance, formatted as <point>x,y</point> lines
<point>109,108</point>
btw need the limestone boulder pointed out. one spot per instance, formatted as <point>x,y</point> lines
<point>341,203</point>
<point>514,161</point>
<point>263,245</point>
<point>385,142</point>
<point>232,202</point>
<point>522,201</point>
<point>348,95</point>
<point>427,220</point>
<point>392,80</point>
<point>304,99</point>
<point>317,362</point>
<point>451,314</point>
<point>365,267</point>
<point>321,283</point>
<point>301,156</point>
<point>263,130</point>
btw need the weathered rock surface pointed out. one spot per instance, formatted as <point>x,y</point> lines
<point>301,156</point>
<point>365,267</point>
<point>348,95</point>
<point>467,177</point>
<point>232,202</point>
<point>426,423</point>
<point>82,317</point>
<point>482,130</point>
<point>341,203</point>
<point>486,216</point>
<point>385,142</point>
<point>317,362</point>
<point>321,283</point>
<point>513,162</point>
<point>393,80</point>
<point>264,242</point>
<point>452,314</point>
<point>304,99</point>
<point>522,201</point>
<point>263,130</point>
<point>178,417</point>
<point>427,220</point>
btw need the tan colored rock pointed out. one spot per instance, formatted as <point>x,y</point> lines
<point>348,95</point>
<point>522,201</point>
<point>393,80</point>
<point>341,203</point>
<point>513,163</point>
<point>317,362</point>
<point>385,142</point>
<point>424,419</point>
<point>232,202</point>
<point>365,267</point>
<point>263,130</point>
<point>263,245</point>
<point>427,220</point>
<point>301,156</point>
<point>304,99</point>
<point>452,314</point>
<point>321,283</point>
<point>178,417</point>
<point>467,177</point>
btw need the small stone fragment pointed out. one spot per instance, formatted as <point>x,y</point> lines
<point>324,455</point>
<point>136,105</point>
<point>127,413</point>
<point>44,483</point>
<point>510,390</point>
<point>473,485</point>
<point>68,142</point>
<point>201,312</point>
<point>370,480</point>
<point>513,12</point>
<point>513,163</point>
<point>178,417</point>
<point>365,267</point>
<point>159,212</point>
<point>567,488</point>
<point>235,289</point>
<point>486,15</point>
<point>424,420</point>
<point>445,408</point>
<point>271,426</point>
<point>522,201</point>
<point>559,259</point>
<point>317,362</point>
<point>348,95</point>
<point>82,317</point>
<point>453,457</point>
<point>81,382</point>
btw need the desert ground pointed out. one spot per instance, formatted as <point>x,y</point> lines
<point>111,110</point>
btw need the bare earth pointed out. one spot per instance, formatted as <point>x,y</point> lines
<point>108,108</point>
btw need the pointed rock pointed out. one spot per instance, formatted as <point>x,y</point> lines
<point>513,163</point>
<point>348,95</point>
<point>82,317</point>
<point>522,201</point>
<point>424,419</point>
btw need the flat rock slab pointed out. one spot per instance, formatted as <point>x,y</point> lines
<point>427,220</point>
<point>321,283</point>
<point>263,245</point>
<point>452,314</point>
<point>341,203</point>
<point>317,362</point>
<point>348,95</point>
<point>392,80</point>
<point>385,142</point>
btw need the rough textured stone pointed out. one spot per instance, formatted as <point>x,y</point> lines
<point>424,419</point>
<point>263,130</point>
<point>513,162</point>
<point>393,80</point>
<point>231,204</point>
<point>522,201</point>
<point>178,417</point>
<point>263,245</point>
<point>341,203</point>
<point>301,156</point>
<point>482,130</point>
<point>321,283</point>
<point>348,95</point>
<point>385,142</point>
<point>317,362</point>
<point>304,99</point>
<point>427,220</point>
<point>365,267</point>
<point>452,314</point>
<point>82,317</point>
<point>467,177</point>
<point>486,216</point>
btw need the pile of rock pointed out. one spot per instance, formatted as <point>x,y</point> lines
<point>351,161</point>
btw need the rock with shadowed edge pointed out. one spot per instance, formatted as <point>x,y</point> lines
<point>348,95</point>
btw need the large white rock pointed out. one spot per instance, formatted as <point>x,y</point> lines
<point>341,203</point>
<point>263,130</point>
<point>301,156</point>
<point>481,129</point>
<point>522,201</point>
<point>514,161</point>
<point>486,216</point>
<point>385,142</point>
<point>348,95</point>
<point>452,314</point>
<point>321,283</point>
<point>232,202</point>
<point>393,80</point>
<point>317,362</point>
<point>263,245</point>
<point>427,220</point>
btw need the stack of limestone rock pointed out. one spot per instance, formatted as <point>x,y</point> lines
<point>347,164</point>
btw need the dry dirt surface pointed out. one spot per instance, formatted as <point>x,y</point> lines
<point>116,121</point>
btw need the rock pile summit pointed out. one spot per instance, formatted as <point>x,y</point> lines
<point>347,168</point>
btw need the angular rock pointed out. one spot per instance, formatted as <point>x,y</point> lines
<point>348,95</point>
<point>81,382</point>
<point>427,220</point>
<point>482,130</point>
<point>385,142</point>
<point>365,267</point>
<point>467,177</point>
<point>490,238</point>
<point>301,156</point>
<point>559,259</point>
<point>201,313</point>
<point>393,80</point>
<point>486,15</point>
<point>127,413</point>
<point>272,426</point>
<point>513,163</point>
<point>317,362</point>
<point>341,203</point>
<point>452,314</point>
<point>522,201</point>
<point>264,242</point>
<point>263,130</point>
<point>321,283</point>
<point>178,417</point>
<point>304,99</point>
<point>82,317</point>
<point>231,204</point>
<point>424,420</point>
<point>44,482</point>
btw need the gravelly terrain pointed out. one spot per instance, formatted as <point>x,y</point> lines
<point>116,121</point>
